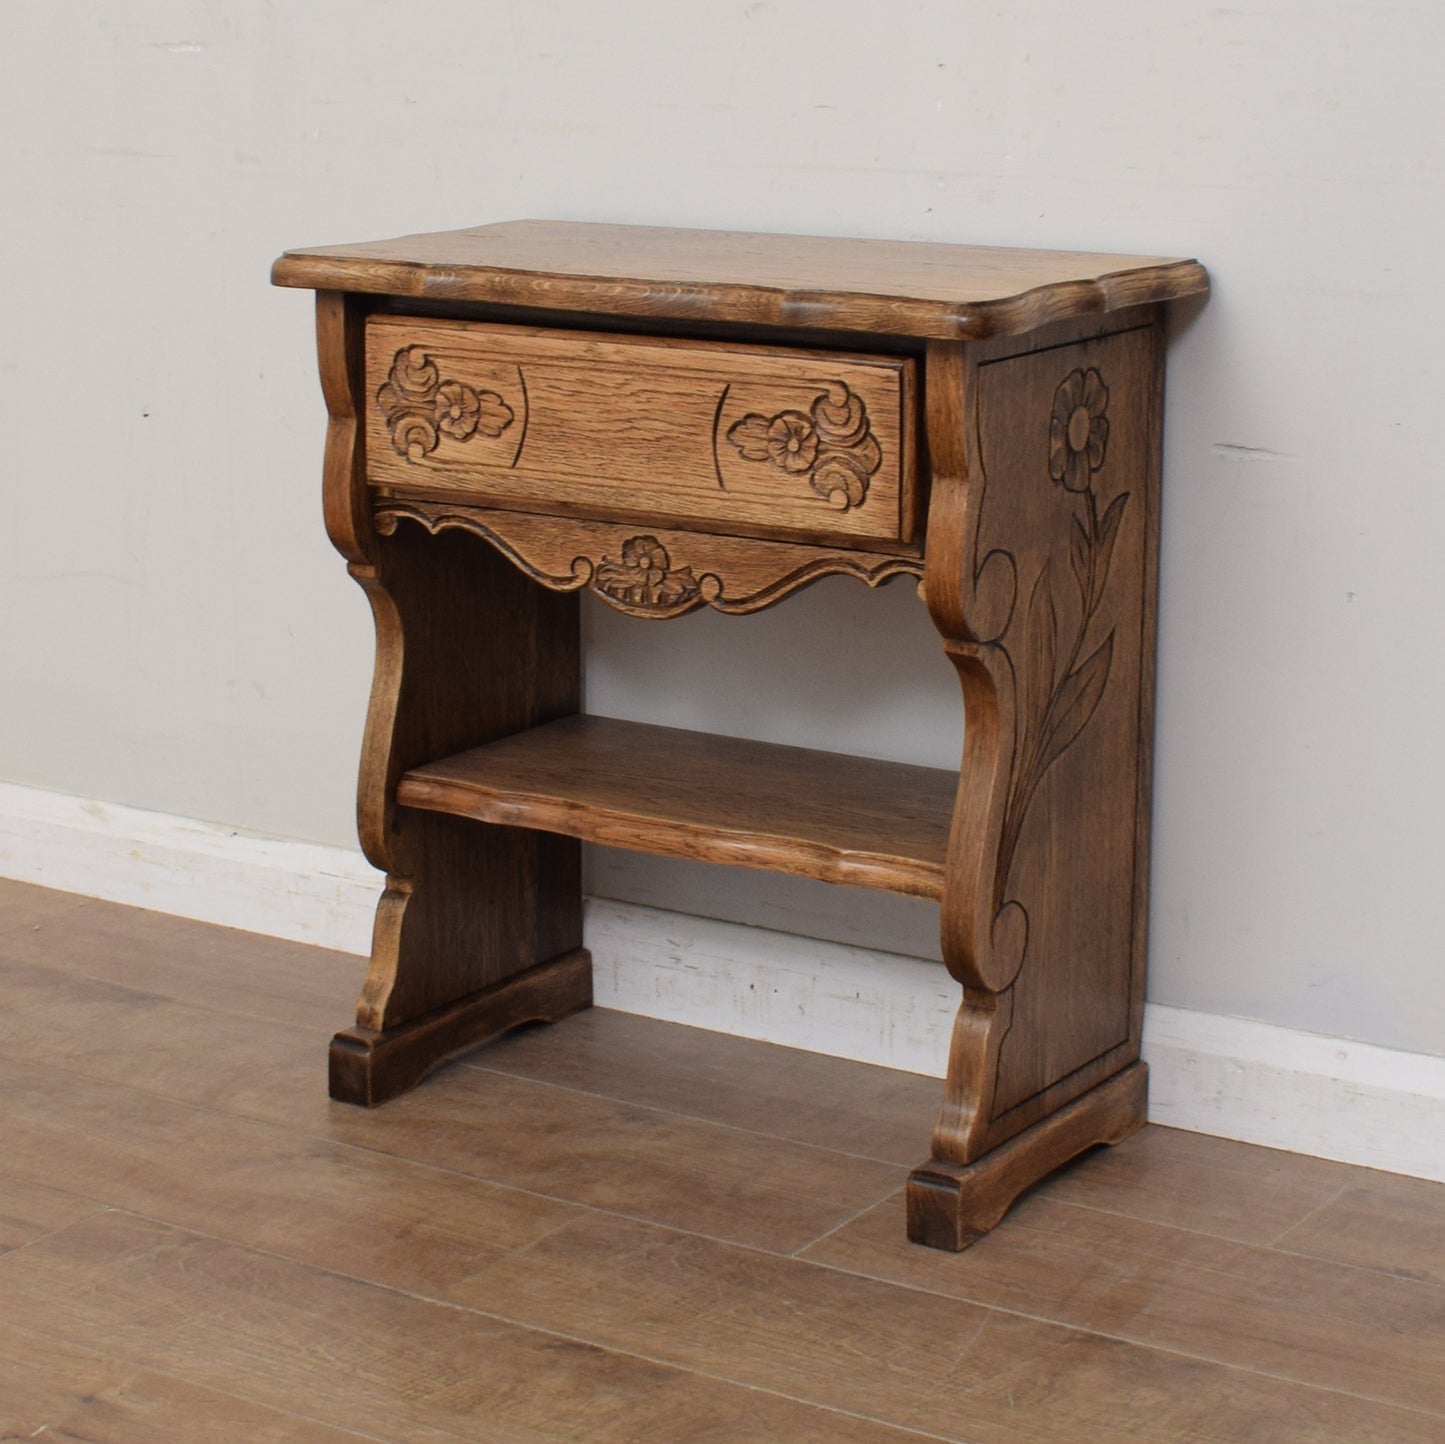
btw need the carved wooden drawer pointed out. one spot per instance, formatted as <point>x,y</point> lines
<point>715,435</point>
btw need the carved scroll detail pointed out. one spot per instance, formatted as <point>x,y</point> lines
<point>1032,661</point>
<point>1034,664</point>
<point>645,577</point>
<point>832,445</point>
<point>637,574</point>
<point>1060,698</point>
<point>421,407</point>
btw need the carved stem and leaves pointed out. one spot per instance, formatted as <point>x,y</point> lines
<point>421,407</point>
<point>832,445</point>
<point>1065,674</point>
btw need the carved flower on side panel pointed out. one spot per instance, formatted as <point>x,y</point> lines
<point>833,446</point>
<point>1078,429</point>
<point>420,407</point>
<point>645,576</point>
<point>1064,669</point>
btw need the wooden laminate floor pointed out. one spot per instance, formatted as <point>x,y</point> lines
<point>617,1230</point>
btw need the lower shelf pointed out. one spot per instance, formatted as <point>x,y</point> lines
<point>716,799</point>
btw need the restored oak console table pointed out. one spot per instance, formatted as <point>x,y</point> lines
<point>677,419</point>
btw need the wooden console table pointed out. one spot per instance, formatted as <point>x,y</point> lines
<point>676,419</point>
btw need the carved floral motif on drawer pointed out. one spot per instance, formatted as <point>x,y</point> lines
<point>762,437</point>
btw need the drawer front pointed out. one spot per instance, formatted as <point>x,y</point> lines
<point>795,442</point>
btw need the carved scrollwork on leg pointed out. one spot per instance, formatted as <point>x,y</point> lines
<point>1029,639</point>
<point>1033,684</point>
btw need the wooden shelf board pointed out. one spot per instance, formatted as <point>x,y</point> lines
<point>716,799</point>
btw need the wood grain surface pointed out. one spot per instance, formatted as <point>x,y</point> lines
<point>789,441</point>
<point>208,1260</point>
<point>717,799</point>
<point>950,1205</point>
<point>467,649</point>
<point>904,288</point>
<point>670,471</point>
<point>53,1390</point>
<point>655,573</point>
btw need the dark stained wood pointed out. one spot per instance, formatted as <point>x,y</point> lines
<point>671,471</point>
<point>899,288</point>
<point>717,799</point>
<point>468,650</point>
<point>792,442</point>
<point>369,1067</point>
<point>1074,841</point>
<point>950,1205</point>
<point>1039,577</point>
<point>662,572</point>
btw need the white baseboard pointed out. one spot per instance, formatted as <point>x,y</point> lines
<point>285,889</point>
<point>1354,1102</point>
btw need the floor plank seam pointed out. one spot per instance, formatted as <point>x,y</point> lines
<point>1270,1317</point>
<point>1045,1190</point>
<point>310,1135</point>
<point>495,1317</point>
<point>1300,1222</point>
<point>161,1372</point>
<point>480,1067</point>
<point>481,1180</point>
<point>1340,1263</point>
<point>1137,1342</point>
<point>320,1032</point>
<point>828,1233</point>
<point>595,1208</point>
<point>98,1209</point>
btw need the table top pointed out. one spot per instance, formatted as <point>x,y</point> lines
<point>900,288</point>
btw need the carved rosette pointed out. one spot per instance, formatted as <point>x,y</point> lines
<point>833,445</point>
<point>1065,669</point>
<point>645,577</point>
<point>421,407</point>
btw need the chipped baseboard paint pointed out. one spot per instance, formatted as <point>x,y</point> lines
<point>1233,1077</point>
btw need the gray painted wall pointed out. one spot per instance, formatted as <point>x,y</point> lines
<point>179,635</point>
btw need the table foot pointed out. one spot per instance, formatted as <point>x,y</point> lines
<point>951,1205</point>
<point>369,1067</point>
